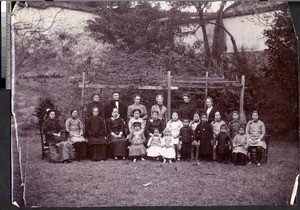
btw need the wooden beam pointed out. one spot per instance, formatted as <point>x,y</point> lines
<point>210,86</point>
<point>242,96</point>
<point>191,81</point>
<point>142,87</point>
<point>82,93</point>
<point>169,97</point>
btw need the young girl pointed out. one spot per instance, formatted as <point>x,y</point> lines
<point>175,125</point>
<point>216,125</point>
<point>75,129</point>
<point>154,144</point>
<point>136,118</point>
<point>240,147</point>
<point>137,139</point>
<point>222,144</point>
<point>195,143</point>
<point>204,136</point>
<point>167,146</point>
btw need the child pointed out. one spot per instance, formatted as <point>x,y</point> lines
<point>167,146</point>
<point>186,136</point>
<point>204,135</point>
<point>222,144</point>
<point>136,118</point>
<point>216,125</point>
<point>137,139</point>
<point>154,144</point>
<point>175,125</point>
<point>195,143</point>
<point>74,127</point>
<point>233,126</point>
<point>240,147</point>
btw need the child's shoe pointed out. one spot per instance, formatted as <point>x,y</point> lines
<point>164,161</point>
<point>142,159</point>
<point>170,161</point>
<point>134,160</point>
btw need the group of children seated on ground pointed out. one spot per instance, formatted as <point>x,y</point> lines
<point>175,140</point>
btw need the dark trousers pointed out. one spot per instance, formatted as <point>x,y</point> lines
<point>186,151</point>
<point>259,151</point>
<point>239,159</point>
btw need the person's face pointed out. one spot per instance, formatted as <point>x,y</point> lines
<point>204,118</point>
<point>154,115</point>
<point>137,99</point>
<point>116,96</point>
<point>217,116</point>
<point>235,116</point>
<point>136,114</point>
<point>115,112</point>
<point>96,98</point>
<point>223,130</point>
<point>74,113</point>
<point>241,131</point>
<point>137,127</point>
<point>255,116</point>
<point>95,112</point>
<point>186,99</point>
<point>159,100</point>
<point>196,117</point>
<point>52,115</point>
<point>156,132</point>
<point>185,122</point>
<point>208,103</point>
<point>175,116</point>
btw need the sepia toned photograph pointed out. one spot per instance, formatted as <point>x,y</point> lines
<point>154,103</point>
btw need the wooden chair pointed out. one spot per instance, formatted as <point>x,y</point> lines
<point>44,144</point>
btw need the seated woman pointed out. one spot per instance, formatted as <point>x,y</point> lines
<point>75,129</point>
<point>116,141</point>
<point>153,123</point>
<point>136,118</point>
<point>60,150</point>
<point>256,131</point>
<point>95,130</point>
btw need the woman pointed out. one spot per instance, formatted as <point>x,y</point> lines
<point>116,141</point>
<point>95,130</point>
<point>159,107</point>
<point>187,108</point>
<point>75,129</point>
<point>256,131</point>
<point>210,110</point>
<point>60,150</point>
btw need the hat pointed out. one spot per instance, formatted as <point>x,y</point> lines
<point>137,124</point>
<point>223,126</point>
<point>235,112</point>
<point>202,114</point>
<point>255,112</point>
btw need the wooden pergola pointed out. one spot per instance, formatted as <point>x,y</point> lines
<point>170,83</point>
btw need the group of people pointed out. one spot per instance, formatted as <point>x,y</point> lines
<point>118,131</point>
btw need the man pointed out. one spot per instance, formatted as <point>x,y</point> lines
<point>137,105</point>
<point>115,103</point>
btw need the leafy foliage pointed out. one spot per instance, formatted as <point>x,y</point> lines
<point>41,111</point>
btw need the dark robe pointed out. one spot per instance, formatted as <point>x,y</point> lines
<point>187,110</point>
<point>152,124</point>
<point>223,142</point>
<point>211,115</point>
<point>111,105</point>
<point>204,134</point>
<point>95,130</point>
<point>88,111</point>
<point>117,146</point>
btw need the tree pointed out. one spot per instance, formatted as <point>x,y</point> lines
<point>280,73</point>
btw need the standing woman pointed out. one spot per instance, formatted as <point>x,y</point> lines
<point>116,141</point>
<point>75,129</point>
<point>256,131</point>
<point>210,110</point>
<point>60,150</point>
<point>95,130</point>
<point>159,107</point>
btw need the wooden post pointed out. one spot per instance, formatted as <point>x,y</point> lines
<point>206,90</point>
<point>82,93</point>
<point>242,113</point>
<point>169,97</point>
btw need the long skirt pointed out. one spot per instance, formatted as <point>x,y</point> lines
<point>153,151</point>
<point>118,147</point>
<point>61,151</point>
<point>98,152</point>
<point>137,150</point>
<point>168,152</point>
<point>80,149</point>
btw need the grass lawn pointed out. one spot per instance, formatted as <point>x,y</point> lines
<point>121,183</point>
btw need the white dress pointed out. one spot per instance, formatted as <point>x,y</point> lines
<point>155,146</point>
<point>175,127</point>
<point>167,149</point>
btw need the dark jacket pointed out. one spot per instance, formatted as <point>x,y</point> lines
<point>211,115</point>
<point>111,105</point>
<point>152,124</point>
<point>223,143</point>
<point>186,134</point>
<point>204,134</point>
<point>187,110</point>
